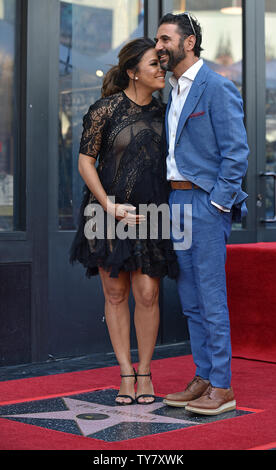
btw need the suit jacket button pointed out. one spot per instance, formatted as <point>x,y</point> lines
<point>233,195</point>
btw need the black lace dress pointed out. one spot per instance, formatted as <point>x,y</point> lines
<point>129,142</point>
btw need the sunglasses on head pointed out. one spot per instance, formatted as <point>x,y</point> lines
<point>186,13</point>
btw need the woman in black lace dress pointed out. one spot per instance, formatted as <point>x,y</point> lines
<point>124,131</point>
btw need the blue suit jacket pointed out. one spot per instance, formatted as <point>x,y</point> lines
<point>211,144</point>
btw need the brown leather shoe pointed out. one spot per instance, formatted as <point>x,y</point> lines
<point>193,390</point>
<point>213,402</point>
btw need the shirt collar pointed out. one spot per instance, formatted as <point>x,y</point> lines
<point>190,74</point>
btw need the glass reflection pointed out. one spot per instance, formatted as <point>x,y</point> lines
<point>91,34</point>
<point>221,22</point>
<point>270,48</point>
<point>7,112</point>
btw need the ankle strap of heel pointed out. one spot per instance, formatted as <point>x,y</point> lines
<point>130,375</point>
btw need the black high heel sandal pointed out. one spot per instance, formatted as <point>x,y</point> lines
<point>127,396</point>
<point>145,395</point>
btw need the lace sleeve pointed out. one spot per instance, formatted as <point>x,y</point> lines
<point>93,124</point>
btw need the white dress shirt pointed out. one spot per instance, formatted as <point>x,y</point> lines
<point>180,90</point>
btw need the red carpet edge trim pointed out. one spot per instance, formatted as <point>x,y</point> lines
<point>57,395</point>
<point>271,445</point>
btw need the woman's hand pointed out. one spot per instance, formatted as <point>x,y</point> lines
<point>126,213</point>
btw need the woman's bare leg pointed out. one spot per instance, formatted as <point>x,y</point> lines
<point>146,318</point>
<point>116,291</point>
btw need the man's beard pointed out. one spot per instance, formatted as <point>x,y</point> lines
<point>174,57</point>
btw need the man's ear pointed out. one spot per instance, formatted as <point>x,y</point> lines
<point>190,42</point>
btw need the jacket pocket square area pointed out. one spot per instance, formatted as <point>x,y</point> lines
<point>196,114</point>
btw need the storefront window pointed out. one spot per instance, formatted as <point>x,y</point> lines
<point>270,48</point>
<point>8,113</point>
<point>91,34</point>
<point>221,22</point>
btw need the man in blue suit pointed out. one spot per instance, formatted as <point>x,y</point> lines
<point>206,162</point>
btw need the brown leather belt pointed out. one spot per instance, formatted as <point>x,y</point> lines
<point>183,185</point>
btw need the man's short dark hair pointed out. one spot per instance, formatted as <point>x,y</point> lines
<point>185,28</point>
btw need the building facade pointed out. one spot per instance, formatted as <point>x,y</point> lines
<point>53,56</point>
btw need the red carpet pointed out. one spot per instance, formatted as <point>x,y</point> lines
<point>251,282</point>
<point>251,279</point>
<point>253,382</point>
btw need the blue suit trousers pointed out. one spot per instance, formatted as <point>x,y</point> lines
<point>202,284</point>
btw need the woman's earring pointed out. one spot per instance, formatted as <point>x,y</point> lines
<point>136,78</point>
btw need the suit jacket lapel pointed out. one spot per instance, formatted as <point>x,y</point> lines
<point>193,97</point>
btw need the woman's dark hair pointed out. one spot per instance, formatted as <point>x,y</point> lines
<point>130,55</point>
<point>183,21</point>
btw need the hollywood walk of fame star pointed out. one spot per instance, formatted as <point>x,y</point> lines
<point>92,417</point>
